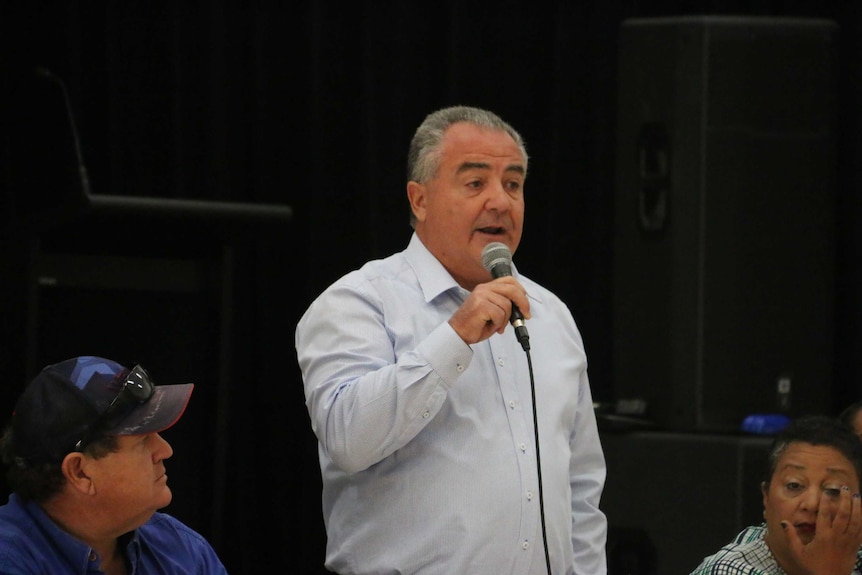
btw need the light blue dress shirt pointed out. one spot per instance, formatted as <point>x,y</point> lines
<point>427,445</point>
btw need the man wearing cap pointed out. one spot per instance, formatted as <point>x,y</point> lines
<point>85,462</point>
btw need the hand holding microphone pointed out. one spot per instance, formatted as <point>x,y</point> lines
<point>490,305</point>
<point>497,259</point>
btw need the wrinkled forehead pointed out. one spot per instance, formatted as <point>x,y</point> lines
<point>468,140</point>
<point>815,460</point>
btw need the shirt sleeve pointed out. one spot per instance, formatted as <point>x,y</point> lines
<point>367,394</point>
<point>587,474</point>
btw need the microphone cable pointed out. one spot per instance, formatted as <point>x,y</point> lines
<point>497,259</point>
<point>538,459</point>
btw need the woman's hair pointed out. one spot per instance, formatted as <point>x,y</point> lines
<point>40,481</point>
<point>849,414</point>
<point>423,158</point>
<point>817,430</point>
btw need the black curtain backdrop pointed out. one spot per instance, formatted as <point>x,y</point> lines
<point>312,104</point>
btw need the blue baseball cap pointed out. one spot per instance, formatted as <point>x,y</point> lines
<point>76,398</point>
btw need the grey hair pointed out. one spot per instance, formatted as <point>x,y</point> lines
<point>423,158</point>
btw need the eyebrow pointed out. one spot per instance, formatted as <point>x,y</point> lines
<point>832,470</point>
<point>518,168</point>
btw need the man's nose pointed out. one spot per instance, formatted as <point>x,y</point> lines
<point>497,198</point>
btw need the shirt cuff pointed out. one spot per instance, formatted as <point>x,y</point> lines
<point>446,353</point>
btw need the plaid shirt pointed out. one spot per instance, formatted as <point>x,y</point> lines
<point>748,554</point>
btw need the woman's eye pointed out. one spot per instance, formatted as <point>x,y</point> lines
<point>833,491</point>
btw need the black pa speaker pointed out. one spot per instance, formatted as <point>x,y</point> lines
<point>665,533</point>
<point>724,218</point>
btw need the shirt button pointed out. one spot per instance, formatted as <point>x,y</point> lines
<point>512,404</point>
<point>522,447</point>
<point>426,414</point>
<point>529,495</point>
<point>525,545</point>
<point>459,368</point>
<point>500,361</point>
<point>93,556</point>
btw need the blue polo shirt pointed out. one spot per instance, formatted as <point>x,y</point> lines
<point>31,543</point>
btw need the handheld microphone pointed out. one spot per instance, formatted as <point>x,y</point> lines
<point>497,259</point>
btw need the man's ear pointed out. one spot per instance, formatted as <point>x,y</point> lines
<point>74,468</point>
<point>416,193</point>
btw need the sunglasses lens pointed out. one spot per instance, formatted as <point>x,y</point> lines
<point>136,390</point>
<point>138,385</point>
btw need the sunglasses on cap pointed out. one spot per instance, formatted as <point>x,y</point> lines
<point>137,389</point>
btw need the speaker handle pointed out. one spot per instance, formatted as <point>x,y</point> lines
<point>654,176</point>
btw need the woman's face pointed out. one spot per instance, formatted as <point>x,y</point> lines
<point>808,479</point>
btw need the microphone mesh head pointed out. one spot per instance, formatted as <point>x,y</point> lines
<point>496,253</point>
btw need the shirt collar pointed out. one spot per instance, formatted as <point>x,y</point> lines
<point>75,552</point>
<point>433,278</point>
